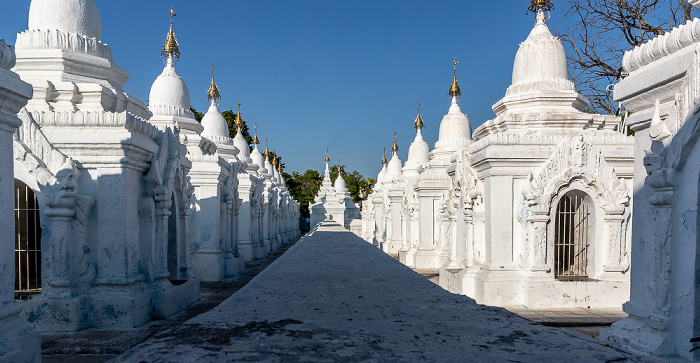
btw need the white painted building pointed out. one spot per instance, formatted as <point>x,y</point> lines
<point>122,208</point>
<point>661,94</point>
<point>535,209</point>
<point>334,202</point>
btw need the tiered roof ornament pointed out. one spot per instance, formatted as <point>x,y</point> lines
<point>239,120</point>
<point>418,124</point>
<point>539,7</point>
<point>395,147</point>
<point>328,159</point>
<point>171,49</point>
<point>454,89</point>
<point>384,161</point>
<point>213,93</point>
<point>256,139</point>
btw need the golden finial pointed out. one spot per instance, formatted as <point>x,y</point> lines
<point>279,167</point>
<point>395,147</point>
<point>274,160</point>
<point>328,159</point>
<point>267,151</point>
<point>239,120</point>
<point>213,93</point>
<point>418,124</point>
<point>454,89</point>
<point>171,48</point>
<point>256,140</point>
<point>384,157</point>
<point>537,6</point>
<point>339,171</point>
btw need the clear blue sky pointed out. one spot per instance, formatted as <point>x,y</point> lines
<point>312,74</point>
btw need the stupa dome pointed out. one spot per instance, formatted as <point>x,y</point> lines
<point>418,151</point>
<point>455,128</point>
<point>240,143</point>
<point>340,183</point>
<point>170,90</point>
<point>67,16</point>
<point>215,124</point>
<point>540,63</point>
<point>393,170</point>
<point>380,176</point>
<point>258,159</point>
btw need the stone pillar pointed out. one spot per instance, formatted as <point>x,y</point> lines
<point>378,221</point>
<point>245,243</point>
<point>266,222</point>
<point>19,342</point>
<point>160,257</point>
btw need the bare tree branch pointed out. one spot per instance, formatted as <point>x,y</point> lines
<point>601,31</point>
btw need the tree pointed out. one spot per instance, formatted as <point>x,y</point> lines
<point>303,188</point>
<point>600,31</point>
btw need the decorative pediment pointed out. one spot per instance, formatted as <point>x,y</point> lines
<point>576,159</point>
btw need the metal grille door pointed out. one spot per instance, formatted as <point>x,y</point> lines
<point>27,240</point>
<point>571,238</point>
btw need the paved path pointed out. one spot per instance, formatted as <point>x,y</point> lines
<point>334,297</point>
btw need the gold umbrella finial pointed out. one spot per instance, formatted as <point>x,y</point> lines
<point>418,124</point>
<point>339,171</point>
<point>239,119</point>
<point>328,159</point>
<point>454,89</point>
<point>395,147</point>
<point>267,150</point>
<point>171,48</point>
<point>384,161</point>
<point>213,93</point>
<point>256,140</point>
<point>541,6</point>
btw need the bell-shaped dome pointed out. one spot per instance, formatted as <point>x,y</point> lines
<point>169,90</point>
<point>455,129</point>
<point>540,63</point>
<point>393,169</point>
<point>240,143</point>
<point>215,124</point>
<point>418,151</point>
<point>258,159</point>
<point>382,173</point>
<point>340,184</point>
<point>67,16</point>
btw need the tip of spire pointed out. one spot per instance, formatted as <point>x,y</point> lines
<point>239,119</point>
<point>539,7</point>
<point>418,123</point>
<point>171,48</point>
<point>213,93</point>
<point>395,147</point>
<point>454,89</point>
<point>256,139</point>
<point>384,161</point>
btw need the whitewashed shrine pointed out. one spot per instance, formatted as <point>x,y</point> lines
<point>121,208</point>
<point>534,210</point>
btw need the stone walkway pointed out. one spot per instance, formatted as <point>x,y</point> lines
<point>101,345</point>
<point>334,297</point>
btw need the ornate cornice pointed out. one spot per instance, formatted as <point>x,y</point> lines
<point>54,39</point>
<point>669,43</point>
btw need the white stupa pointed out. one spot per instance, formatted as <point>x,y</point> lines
<point>418,152</point>
<point>393,169</point>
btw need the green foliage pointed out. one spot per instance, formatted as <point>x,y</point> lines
<point>355,181</point>
<point>303,188</point>
<point>197,115</point>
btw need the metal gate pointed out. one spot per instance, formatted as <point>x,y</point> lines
<point>27,241</point>
<point>571,238</point>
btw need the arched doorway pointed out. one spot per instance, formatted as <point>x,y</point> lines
<point>27,242</point>
<point>573,235</point>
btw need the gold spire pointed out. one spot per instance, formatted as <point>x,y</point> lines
<point>267,151</point>
<point>454,89</point>
<point>279,167</point>
<point>418,124</point>
<point>213,93</point>
<point>395,147</point>
<point>171,47</point>
<point>384,157</point>
<point>328,159</point>
<point>537,6</point>
<point>274,161</point>
<point>256,140</point>
<point>340,173</point>
<point>239,120</point>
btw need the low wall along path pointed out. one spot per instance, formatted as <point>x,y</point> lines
<point>334,297</point>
